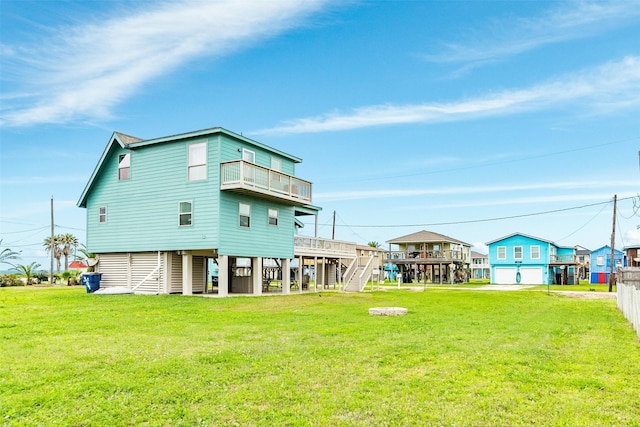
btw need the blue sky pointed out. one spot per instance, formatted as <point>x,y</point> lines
<point>467,118</point>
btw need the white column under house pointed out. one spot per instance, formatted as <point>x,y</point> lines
<point>223,275</point>
<point>187,273</point>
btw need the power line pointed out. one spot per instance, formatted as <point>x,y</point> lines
<point>584,225</point>
<point>472,221</point>
<point>24,231</point>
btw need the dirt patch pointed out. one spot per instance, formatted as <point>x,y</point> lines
<point>587,295</point>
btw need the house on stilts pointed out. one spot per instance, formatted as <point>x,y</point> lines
<point>161,212</point>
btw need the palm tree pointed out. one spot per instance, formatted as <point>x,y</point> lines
<point>27,271</point>
<point>52,245</point>
<point>7,254</point>
<point>374,244</point>
<point>69,244</point>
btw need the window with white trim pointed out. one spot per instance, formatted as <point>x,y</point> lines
<point>244,214</point>
<point>185,214</point>
<point>276,164</point>
<point>102,214</point>
<point>517,252</point>
<point>248,155</point>
<point>124,166</point>
<point>534,252</point>
<point>197,163</point>
<point>600,260</point>
<point>502,252</point>
<point>273,216</point>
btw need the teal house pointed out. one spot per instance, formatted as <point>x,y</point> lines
<point>522,259</point>
<point>158,210</point>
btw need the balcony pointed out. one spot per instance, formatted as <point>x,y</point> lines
<point>424,257</point>
<point>563,259</point>
<point>249,178</point>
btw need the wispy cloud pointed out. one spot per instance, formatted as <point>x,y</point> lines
<point>475,190</point>
<point>83,72</point>
<point>608,87</point>
<point>567,21</point>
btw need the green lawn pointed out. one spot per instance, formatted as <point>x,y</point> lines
<point>458,358</point>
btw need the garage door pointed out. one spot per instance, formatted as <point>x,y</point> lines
<point>531,276</point>
<point>504,275</point>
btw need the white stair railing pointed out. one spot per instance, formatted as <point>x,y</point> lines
<point>366,274</point>
<point>350,273</point>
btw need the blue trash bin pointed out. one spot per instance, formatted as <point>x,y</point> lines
<point>91,281</point>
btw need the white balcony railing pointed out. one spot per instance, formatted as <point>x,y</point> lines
<point>316,246</point>
<point>247,176</point>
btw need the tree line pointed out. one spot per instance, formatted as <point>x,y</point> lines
<point>60,246</point>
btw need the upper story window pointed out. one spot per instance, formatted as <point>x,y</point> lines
<point>600,260</point>
<point>517,252</point>
<point>502,252</point>
<point>248,155</point>
<point>197,168</point>
<point>535,252</point>
<point>102,214</point>
<point>276,164</point>
<point>185,213</point>
<point>273,217</point>
<point>124,166</point>
<point>244,213</point>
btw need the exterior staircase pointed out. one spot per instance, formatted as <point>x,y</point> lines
<point>357,275</point>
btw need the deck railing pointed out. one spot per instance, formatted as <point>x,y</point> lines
<point>563,259</point>
<point>316,246</point>
<point>426,256</point>
<point>240,174</point>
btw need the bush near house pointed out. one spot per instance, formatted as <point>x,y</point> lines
<point>7,280</point>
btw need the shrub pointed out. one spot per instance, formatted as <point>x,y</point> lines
<point>9,280</point>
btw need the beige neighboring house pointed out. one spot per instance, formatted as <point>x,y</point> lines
<point>364,252</point>
<point>428,256</point>
<point>480,268</point>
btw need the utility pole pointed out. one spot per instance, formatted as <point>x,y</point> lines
<point>51,243</point>
<point>613,241</point>
<point>333,228</point>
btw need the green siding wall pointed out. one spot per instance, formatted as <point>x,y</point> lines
<point>230,151</point>
<point>261,239</point>
<point>142,212</point>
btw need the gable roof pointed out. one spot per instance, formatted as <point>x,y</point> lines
<point>520,234</point>
<point>425,236</point>
<point>126,139</point>
<point>131,142</point>
<point>608,248</point>
<point>475,254</point>
<point>77,265</point>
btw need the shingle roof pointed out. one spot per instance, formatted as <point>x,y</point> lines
<point>127,139</point>
<point>426,237</point>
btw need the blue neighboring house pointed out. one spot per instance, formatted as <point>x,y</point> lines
<point>601,264</point>
<point>522,259</point>
<point>158,210</point>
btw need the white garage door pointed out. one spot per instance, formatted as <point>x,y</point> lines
<point>531,276</point>
<point>504,275</point>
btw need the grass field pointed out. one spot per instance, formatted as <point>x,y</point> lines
<point>457,358</point>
